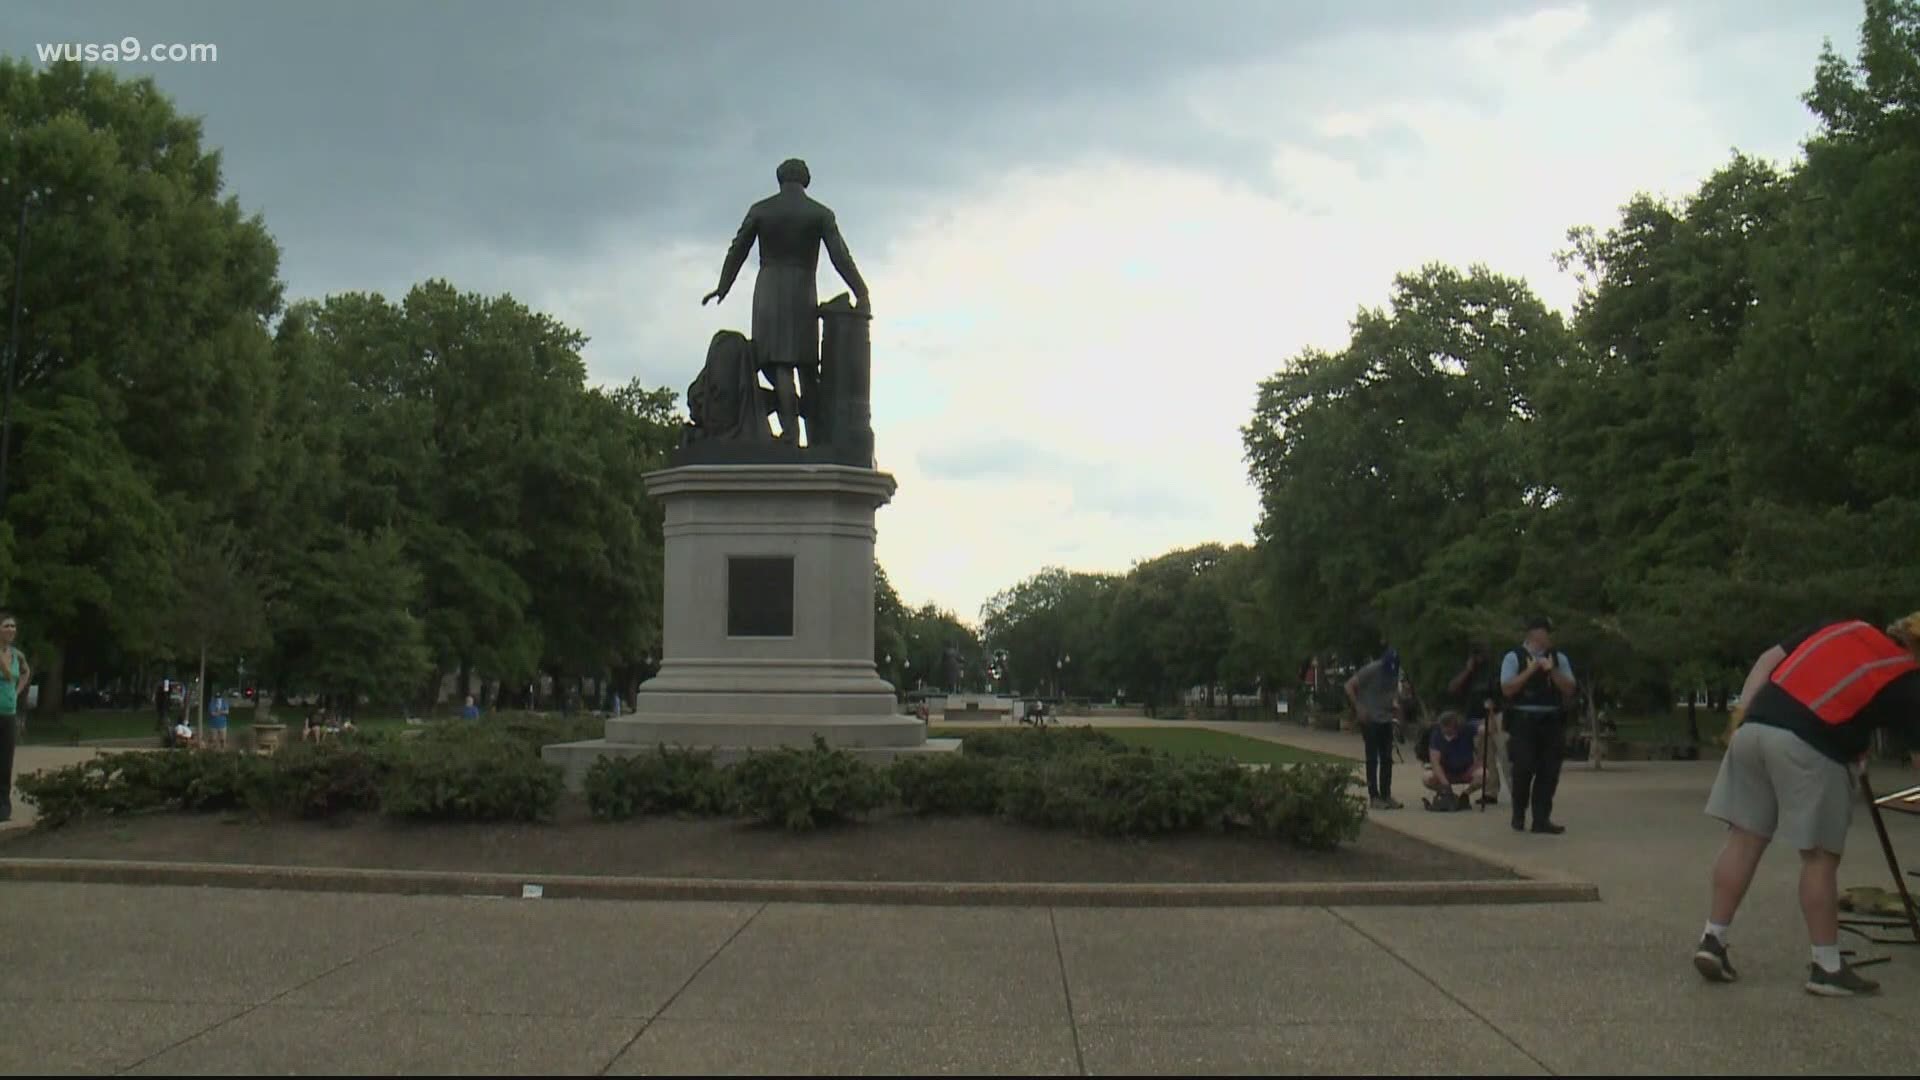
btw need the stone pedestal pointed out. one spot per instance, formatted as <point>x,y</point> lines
<point>768,631</point>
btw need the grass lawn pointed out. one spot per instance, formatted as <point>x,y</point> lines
<point>1671,728</point>
<point>1190,741</point>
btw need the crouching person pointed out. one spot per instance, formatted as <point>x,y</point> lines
<point>1455,770</point>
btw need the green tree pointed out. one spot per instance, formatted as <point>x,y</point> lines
<point>1389,468</point>
<point>90,561</point>
<point>360,634</point>
<point>145,302</point>
<point>218,608</point>
<point>1819,403</point>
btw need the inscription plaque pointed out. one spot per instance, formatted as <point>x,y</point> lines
<point>760,596</point>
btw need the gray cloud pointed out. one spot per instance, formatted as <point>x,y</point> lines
<point>372,134</point>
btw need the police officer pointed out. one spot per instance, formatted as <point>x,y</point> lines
<point>1536,682</point>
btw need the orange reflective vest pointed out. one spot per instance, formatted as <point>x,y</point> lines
<point>1836,672</point>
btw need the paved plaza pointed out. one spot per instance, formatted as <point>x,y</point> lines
<point>150,980</point>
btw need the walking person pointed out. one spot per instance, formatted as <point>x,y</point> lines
<point>15,676</point>
<point>1370,691</point>
<point>1536,682</point>
<point>1808,712</point>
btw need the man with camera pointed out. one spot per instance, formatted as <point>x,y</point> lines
<point>1476,692</point>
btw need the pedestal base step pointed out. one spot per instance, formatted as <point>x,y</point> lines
<point>764,730</point>
<point>577,758</point>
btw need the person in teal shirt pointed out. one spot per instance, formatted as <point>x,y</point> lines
<point>15,675</point>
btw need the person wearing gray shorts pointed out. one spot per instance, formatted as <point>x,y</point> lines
<point>1808,712</point>
<point>1773,783</point>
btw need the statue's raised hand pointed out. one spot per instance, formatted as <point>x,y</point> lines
<point>716,294</point>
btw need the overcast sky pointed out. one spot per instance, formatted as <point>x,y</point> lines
<point>1090,226</point>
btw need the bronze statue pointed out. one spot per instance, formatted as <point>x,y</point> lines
<point>790,228</point>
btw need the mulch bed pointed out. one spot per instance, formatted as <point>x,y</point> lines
<point>892,847</point>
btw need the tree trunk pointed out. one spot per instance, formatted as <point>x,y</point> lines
<point>430,699</point>
<point>53,684</point>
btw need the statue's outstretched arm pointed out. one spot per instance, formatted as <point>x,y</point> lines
<point>842,260</point>
<point>736,257</point>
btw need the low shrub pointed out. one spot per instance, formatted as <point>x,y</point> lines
<point>1040,744</point>
<point>320,780</point>
<point>481,781</point>
<point>665,781</point>
<point>947,783</point>
<point>1311,805</point>
<point>803,789</point>
<point>135,782</point>
<point>1126,793</point>
<point>1142,794</point>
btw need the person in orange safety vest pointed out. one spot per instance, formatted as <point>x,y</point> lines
<point>1807,716</point>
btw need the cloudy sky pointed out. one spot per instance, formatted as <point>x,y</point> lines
<point>1090,226</point>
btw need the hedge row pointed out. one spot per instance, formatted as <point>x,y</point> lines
<point>450,772</point>
<point>1073,778</point>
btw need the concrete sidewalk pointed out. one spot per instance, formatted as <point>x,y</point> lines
<point>180,981</point>
<point>99,978</point>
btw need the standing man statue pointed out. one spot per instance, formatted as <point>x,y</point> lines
<point>790,228</point>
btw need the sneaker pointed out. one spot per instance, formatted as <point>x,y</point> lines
<point>1711,961</point>
<point>1375,802</point>
<point>1549,828</point>
<point>1843,983</point>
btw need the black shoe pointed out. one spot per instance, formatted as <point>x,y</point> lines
<point>1843,983</point>
<point>1711,961</point>
<point>1549,828</point>
<point>1519,823</point>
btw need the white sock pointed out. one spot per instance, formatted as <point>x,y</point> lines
<point>1717,931</point>
<point>1828,957</point>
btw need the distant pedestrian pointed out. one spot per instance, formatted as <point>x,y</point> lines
<point>1371,692</point>
<point>217,721</point>
<point>15,676</point>
<point>470,711</point>
<point>1536,681</point>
